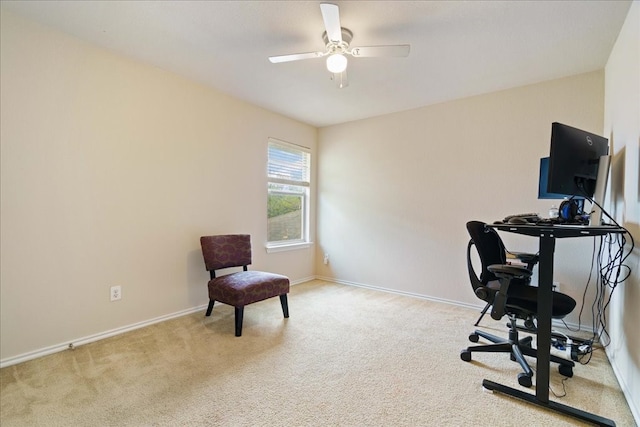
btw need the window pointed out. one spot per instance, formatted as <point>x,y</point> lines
<point>289,171</point>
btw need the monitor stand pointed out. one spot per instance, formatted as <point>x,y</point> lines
<point>600,191</point>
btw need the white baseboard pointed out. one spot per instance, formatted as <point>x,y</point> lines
<point>305,280</point>
<point>397,292</point>
<point>624,386</point>
<point>96,337</point>
<point>117,331</point>
<point>555,322</point>
<point>106,334</point>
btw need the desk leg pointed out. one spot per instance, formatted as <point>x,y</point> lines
<point>545,304</point>
<point>551,405</point>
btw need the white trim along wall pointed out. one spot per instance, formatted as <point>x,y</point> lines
<point>111,170</point>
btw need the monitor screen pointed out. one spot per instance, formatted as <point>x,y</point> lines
<point>573,160</point>
<point>544,180</point>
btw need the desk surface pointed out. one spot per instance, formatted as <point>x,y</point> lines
<point>558,230</point>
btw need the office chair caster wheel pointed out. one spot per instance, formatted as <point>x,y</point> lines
<point>465,355</point>
<point>474,337</point>
<point>565,370</point>
<point>530,325</point>
<point>524,380</point>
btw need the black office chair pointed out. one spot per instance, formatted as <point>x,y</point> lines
<point>527,258</point>
<point>506,289</point>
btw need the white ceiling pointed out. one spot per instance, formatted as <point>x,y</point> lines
<point>458,48</point>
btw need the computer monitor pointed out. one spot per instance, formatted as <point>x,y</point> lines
<point>543,183</point>
<point>542,187</point>
<point>573,160</point>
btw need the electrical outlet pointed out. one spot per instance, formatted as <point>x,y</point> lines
<point>116,293</point>
<point>556,286</point>
<point>326,259</point>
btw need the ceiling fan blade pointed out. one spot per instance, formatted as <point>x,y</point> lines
<point>295,57</point>
<point>381,51</point>
<point>341,79</point>
<point>331,17</point>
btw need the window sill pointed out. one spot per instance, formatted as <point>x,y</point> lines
<point>288,247</point>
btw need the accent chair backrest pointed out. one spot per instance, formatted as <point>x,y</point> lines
<point>228,250</point>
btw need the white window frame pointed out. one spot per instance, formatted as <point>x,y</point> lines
<point>285,178</point>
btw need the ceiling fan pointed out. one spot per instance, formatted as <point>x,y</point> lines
<point>337,40</point>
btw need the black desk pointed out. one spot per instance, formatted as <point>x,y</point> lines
<point>548,235</point>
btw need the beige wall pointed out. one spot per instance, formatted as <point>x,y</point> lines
<point>111,171</point>
<point>622,125</point>
<point>396,191</point>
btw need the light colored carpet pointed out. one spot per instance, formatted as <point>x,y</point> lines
<point>347,356</point>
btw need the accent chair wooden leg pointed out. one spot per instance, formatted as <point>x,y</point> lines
<point>285,305</point>
<point>239,315</point>
<point>210,308</point>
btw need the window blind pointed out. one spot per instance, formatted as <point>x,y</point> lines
<point>288,163</point>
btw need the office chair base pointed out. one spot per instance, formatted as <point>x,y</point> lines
<point>533,329</point>
<point>565,370</point>
<point>524,380</point>
<point>517,349</point>
<point>513,337</point>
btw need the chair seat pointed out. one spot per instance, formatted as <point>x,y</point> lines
<point>246,287</point>
<point>525,298</point>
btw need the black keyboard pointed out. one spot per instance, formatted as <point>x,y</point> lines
<point>531,217</point>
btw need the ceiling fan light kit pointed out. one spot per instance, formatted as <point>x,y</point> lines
<point>336,63</point>
<point>337,41</point>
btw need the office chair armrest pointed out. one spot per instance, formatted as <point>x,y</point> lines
<point>505,273</point>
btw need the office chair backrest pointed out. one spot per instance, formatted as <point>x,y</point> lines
<point>230,250</point>
<point>490,248</point>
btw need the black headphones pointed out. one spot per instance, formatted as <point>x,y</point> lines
<point>569,210</point>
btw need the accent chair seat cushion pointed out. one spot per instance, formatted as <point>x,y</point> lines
<point>246,287</point>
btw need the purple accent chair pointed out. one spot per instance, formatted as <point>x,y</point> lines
<point>243,287</point>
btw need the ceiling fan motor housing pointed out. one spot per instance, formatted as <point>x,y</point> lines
<point>334,47</point>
